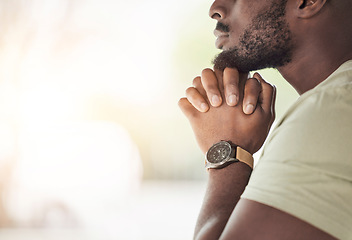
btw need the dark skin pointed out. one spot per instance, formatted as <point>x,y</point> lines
<point>322,43</point>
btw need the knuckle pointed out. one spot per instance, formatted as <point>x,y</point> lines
<point>181,102</point>
<point>269,88</point>
<point>231,70</point>
<point>231,81</point>
<point>268,85</point>
<point>206,71</point>
<point>196,81</point>
<point>210,86</point>
<point>207,79</point>
<point>232,86</point>
<point>249,83</point>
<point>252,88</point>
<point>228,71</point>
<point>253,81</point>
<point>231,75</point>
<point>189,91</point>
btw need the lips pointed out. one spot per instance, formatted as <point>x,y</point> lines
<point>221,38</point>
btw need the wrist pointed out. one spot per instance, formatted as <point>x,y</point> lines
<point>224,153</point>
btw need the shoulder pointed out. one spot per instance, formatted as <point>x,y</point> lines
<point>320,106</point>
<point>316,128</point>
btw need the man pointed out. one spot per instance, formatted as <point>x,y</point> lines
<point>302,186</point>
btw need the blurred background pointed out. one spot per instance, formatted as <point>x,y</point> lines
<point>92,143</point>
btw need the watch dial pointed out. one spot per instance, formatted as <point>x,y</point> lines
<point>218,153</point>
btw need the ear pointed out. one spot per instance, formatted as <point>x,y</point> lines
<point>309,8</point>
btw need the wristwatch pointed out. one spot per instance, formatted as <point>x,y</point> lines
<point>223,153</point>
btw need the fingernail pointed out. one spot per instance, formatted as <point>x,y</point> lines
<point>215,100</point>
<point>232,100</point>
<point>249,109</point>
<point>204,107</point>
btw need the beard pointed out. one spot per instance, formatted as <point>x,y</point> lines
<point>265,43</point>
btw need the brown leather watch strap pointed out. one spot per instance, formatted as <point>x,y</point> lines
<point>244,156</point>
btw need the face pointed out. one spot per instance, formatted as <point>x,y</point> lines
<point>264,40</point>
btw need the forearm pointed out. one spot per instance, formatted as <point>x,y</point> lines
<point>224,189</point>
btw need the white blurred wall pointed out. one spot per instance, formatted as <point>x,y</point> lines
<point>76,76</point>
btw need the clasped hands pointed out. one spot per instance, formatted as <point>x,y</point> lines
<point>227,105</point>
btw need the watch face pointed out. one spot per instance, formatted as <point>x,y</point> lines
<point>219,152</point>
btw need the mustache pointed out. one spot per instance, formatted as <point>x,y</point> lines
<point>222,27</point>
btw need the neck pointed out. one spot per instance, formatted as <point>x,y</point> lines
<point>322,50</point>
<point>310,70</point>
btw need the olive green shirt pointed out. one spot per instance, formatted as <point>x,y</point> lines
<point>306,165</point>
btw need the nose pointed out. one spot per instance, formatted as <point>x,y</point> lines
<point>217,10</point>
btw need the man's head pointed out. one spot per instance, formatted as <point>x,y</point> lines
<point>265,42</point>
<point>257,34</point>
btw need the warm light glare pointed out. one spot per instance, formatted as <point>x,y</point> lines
<point>86,88</point>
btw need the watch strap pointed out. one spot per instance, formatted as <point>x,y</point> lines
<point>244,156</point>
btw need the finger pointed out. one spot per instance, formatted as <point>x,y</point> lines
<point>196,99</point>
<point>197,83</point>
<point>267,95</point>
<point>187,108</point>
<point>252,90</point>
<point>219,77</point>
<point>211,86</point>
<point>231,87</point>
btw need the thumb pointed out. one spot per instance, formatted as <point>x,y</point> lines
<point>267,94</point>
